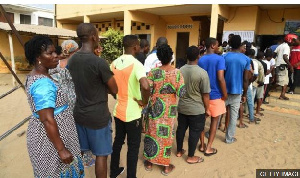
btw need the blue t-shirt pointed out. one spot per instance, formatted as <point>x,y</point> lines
<point>212,63</point>
<point>236,64</point>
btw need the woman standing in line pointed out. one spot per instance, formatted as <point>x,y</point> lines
<point>166,83</point>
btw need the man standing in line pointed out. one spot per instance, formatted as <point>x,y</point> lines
<point>295,62</point>
<point>152,61</point>
<point>145,48</point>
<point>214,65</point>
<point>236,77</point>
<point>282,66</point>
<point>134,92</point>
<point>193,107</point>
<point>93,80</point>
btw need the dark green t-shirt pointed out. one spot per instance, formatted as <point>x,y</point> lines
<point>196,81</point>
<point>90,75</point>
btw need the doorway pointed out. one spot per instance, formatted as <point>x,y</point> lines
<point>181,45</point>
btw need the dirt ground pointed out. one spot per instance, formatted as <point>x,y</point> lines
<point>274,143</point>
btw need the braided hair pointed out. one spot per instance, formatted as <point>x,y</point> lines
<point>35,47</point>
<point>164,54</point>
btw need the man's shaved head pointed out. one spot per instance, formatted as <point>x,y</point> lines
<point>160,41</point>
<point>84,30</point>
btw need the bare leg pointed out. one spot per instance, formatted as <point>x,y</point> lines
<point>220,123</point>
<point>101,167</point>
<point>259,101</point>
<point>202,144</point>
<point>241,111</point>
<point>283,90</point>
<point>212,134</point>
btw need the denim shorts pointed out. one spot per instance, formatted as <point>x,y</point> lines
<point>98,141</point>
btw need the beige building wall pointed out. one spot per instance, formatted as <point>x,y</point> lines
<point>19,54</point>
<point>242,18</point>
<point>74,10</point>
<point>171,34</point>
<point>267,27</point>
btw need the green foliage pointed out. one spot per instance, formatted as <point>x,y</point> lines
<point>112,45</point>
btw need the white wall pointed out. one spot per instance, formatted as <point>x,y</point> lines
<point>35,17</point>
<point>17,18</point>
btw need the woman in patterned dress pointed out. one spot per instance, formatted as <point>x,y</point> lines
<point>52,139</point>
<point>166,83</point>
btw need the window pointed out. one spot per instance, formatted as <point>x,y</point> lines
<point>25,19</point>
<point>10,16</point>
<point>45,21</point>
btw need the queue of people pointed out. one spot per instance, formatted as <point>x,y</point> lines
<point>69,100</point>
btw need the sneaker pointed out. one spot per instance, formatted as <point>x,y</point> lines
<point>118,172</point>
<point>290,92</point>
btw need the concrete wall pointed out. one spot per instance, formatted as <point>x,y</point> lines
<point>171,34</point>
<point>73,10</point>
<point>35,17</point>
<point>267,27</point>
<point>242,19</point>
<point>253,18</point>
<point>19,54</point>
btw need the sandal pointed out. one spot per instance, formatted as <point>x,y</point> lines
<point>209,154</point>
<point>180,153</point>
<point>200,160</point>
<point>172,167</point>
<point>283,98</point>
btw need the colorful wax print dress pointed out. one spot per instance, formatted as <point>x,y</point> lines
<point>43,92</point>
<point>165,85</point>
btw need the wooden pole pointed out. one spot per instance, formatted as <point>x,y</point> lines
<point>12,57</point>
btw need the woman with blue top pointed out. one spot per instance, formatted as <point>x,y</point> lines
<point>52,139</point>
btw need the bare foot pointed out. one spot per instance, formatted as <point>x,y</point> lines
<point>168,169</point>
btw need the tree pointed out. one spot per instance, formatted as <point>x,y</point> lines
<point>112,45</point>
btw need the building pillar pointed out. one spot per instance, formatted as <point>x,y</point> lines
<point>86,19</point>
<point>59,24</point>
<point>214,20</point>
<point>127,22</point>
<point>113,23</point>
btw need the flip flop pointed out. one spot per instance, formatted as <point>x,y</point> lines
<point>167,173</point>
<point>147,168</point>
<point>181,152</point>
<point>200,160</point>
<point>283,98</point>
<point>209,154</point>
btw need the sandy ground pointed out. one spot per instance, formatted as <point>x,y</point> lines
<point>274,143</point>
